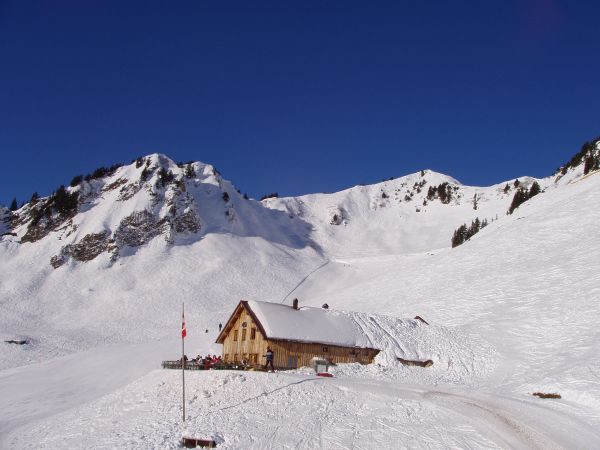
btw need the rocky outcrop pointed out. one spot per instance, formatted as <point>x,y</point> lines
<point>188,222</point>
<point>129,190</point>
<point>86,249</point>
<point>139,228</point>
<point>337,215</point>
<point>91,246</point>
<point>114,185</point>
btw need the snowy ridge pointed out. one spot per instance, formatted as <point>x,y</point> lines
<point>397,216</point>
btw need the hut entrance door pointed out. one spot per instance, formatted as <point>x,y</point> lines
<point>292,362</point>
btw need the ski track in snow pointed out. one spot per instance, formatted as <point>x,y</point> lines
<point>304,279</point>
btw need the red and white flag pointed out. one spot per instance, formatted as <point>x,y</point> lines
<point>183,331</point>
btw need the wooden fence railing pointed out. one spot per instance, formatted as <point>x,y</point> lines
<point>199,366</point>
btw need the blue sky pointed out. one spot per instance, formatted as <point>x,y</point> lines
<point>296,97</point>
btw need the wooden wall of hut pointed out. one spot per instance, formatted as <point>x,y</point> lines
<point>289,354</point>
<point>244,341</point>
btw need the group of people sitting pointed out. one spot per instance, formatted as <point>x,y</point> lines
<point>208,361</point>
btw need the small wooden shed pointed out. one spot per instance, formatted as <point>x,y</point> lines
<point>296,335</point>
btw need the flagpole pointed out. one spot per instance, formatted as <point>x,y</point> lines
<point>183,357</point>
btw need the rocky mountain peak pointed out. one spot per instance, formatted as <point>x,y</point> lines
<point>128,206</point>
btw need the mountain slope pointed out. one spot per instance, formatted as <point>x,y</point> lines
<point>528,284</point>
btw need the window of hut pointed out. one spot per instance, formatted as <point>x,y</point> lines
<point>244,334</point>
<point>253,334</point>
<point>235,335</point>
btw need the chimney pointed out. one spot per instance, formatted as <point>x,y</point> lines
<point>295,304</point>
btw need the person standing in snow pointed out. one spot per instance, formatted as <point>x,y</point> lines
<point>269,357</point>
<point>220,327</point>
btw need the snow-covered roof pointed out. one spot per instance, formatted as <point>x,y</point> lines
<point>309,324</point>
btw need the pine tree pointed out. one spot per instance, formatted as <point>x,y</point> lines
<point>13,205</point>
<point>76,180</point>
<point>534,190</point>
<point>520,197</point>
<point>63,201</point>
<point>145,174</point>
<point>444,192</point>
<point>431,192</point>
<point>271,195</point>
<point>459,236</point>
<point>589,164</point>
<point>189,171</point>
<point>225,197</point>
<point>34,197</point>
<point>165,176</point>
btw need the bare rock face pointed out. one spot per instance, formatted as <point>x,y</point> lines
<point>139,228</point>
<point>129,190</point>
<point>86,249</point>
<point>50,214</point>
<point>34,233</point>
<point>337,215</point>
<point>188,222</point>
<point>58,260</point>
<point>134,230</point>
<point>91,246</point>
<point>114,185</point>
<point>39,228</point>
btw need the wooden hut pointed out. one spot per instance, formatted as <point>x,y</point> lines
<point>296,335</point>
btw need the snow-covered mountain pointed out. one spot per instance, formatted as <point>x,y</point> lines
<point>110,259</point>
<point>156,200</point>
<point>112,216</point>
<point>128,244</point>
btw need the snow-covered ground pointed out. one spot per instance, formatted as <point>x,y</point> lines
<point>271,411</point>
<point>511,312</point>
